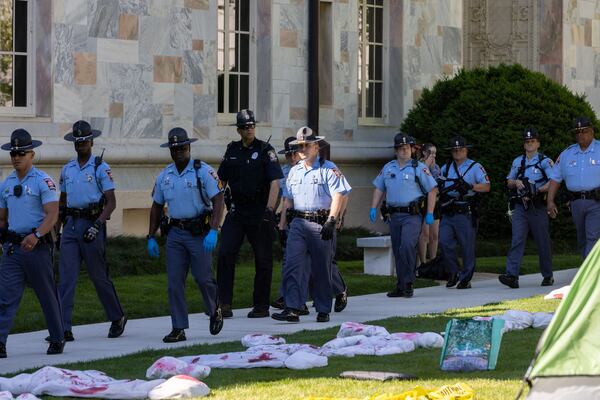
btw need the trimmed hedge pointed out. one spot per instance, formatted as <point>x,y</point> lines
<point>490,108</point>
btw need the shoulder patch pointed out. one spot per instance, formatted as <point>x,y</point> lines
<point>216,178</point>
<point>337,172</point>
<point>109,173</point>
<point>426,171</point>
<point>482,169</point>
<point>50,183</point>
<point>272,155</point>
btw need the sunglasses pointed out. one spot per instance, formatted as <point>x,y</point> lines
<point>18,190</point>
<point>20,153</point>
<point>247,127</point>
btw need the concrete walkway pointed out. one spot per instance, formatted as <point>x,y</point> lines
<point>28,350</point>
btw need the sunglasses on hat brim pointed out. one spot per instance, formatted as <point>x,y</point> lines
<point>20,153</point>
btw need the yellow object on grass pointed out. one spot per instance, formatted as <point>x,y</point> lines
<point>459,391</point>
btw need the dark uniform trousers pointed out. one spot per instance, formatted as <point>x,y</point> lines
<point>72,250</point>
<point>35,268</point>
<point>458,228</point>
<point>185,250</point>
<point>536,219</point>
<point>232,235</point>
<point>586,216</point>
<point>405,230</point>
<point>307,255</point>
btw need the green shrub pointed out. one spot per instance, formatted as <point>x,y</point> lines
<point>490,108</point>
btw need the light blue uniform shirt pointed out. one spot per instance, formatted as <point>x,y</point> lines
<point>282,182</point>
<point>180,191</point>
<point>579,169</point>
<point>26,212</point>
<point>312,188</point>
<point>83,185</point>
<point>476,174</point>
<point>399,185</point>
<point>532,171</point>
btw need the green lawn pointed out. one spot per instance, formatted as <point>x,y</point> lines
<point>516,352</point>
<point>146,295</point>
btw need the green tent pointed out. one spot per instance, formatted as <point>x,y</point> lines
<point>567,361</point>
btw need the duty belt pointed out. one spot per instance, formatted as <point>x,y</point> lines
<point>586,195</point>
<point>319,216</point>
<point>196,226</point>
<point>16,238</point>
<point>454,208</point>
<point>85,213</point>
<point>413,210</point>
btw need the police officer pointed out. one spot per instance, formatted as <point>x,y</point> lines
<point>251,170</point>
<point>87,200</point>
<point>316,190</point>
<point>528,182</point>
<point>579,166</point>
<point>405,182</point>
<point>194,197</point>
<point>28,212</point>
<point>462,181</point>
<point>337,281</point>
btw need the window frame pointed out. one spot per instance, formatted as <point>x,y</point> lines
<point>362,69</point>
<point>29,110</point>
<point>226,118</point>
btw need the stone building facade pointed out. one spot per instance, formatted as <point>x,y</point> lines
<point>137,68</point>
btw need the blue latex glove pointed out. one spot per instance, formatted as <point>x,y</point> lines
<point>373,214</point>
<point>210,240</point>
<point>429,218</point>
<point>152,248</point>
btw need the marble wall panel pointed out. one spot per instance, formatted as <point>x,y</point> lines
<point>95,101</point>
<point>67,40</point>
<point>67,103</point>
<point>118,51</point>
<point>75,12</point>
<point>193,65</point>
<point>205,109</point>
<point>163,93</point>
<point>85,68</point>
<point>104,18</point>
<point>264,60</point>
<point>128,27</point>
<point>136,7</point>
<point>152,39</point>
<point>204,25</point>
<point>184,102</point>
<point>141,120</point>
<point>180,29</point>
<point>43,59</point>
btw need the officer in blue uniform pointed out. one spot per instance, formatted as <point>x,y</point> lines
<point>194,197</point>
<point>462,180</point>
<point>579,166</point>
<point>337,281</point>
<point>528,182</point>
<point>251,170</point>
<point>316,191</point>
<point>28,212</point>
<point>409,190</point>
<point>87,200</point>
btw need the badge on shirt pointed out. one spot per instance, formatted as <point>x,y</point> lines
<point>254,155</point>
<point>337,172</point>
<point>50,184</point>
<point>89,177</point>
<point>272,155</point>
<point>109,173</point>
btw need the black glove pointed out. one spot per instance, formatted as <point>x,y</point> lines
<point>283,235</point>
<point>3,235</point>
<point>92,232</point>
<point>270,223</point>
<point>463,187</point>
<point>328,229</point>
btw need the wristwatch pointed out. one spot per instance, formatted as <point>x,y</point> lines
<point>38,235</point>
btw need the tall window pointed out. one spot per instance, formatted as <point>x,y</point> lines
<point>16,60</point>
<point>370,60</point>
<point>234,55</point>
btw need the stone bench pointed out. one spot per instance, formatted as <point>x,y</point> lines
<point>377,255</point>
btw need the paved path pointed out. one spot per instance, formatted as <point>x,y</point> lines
<point>28,350</point>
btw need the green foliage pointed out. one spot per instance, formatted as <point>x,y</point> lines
<point>490,108</point>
